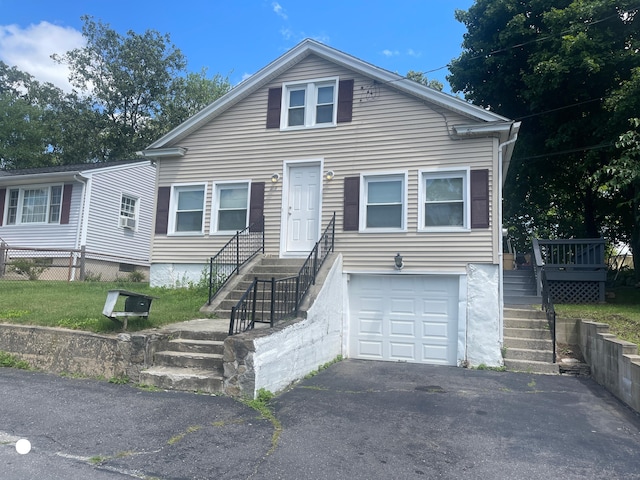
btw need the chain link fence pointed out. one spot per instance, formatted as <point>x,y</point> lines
<point>56,264</point>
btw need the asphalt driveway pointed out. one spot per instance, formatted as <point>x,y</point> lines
<point>354,420</point>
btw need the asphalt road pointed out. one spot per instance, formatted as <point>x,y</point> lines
<point>354,420</point>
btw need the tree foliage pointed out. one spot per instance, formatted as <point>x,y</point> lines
<point>422,79</point>
<point>128,91</point>
<point>559,66</point>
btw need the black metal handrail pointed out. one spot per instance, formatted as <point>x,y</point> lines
<point>549,308</point>
<point>268,301</point>
<point>241,248</point>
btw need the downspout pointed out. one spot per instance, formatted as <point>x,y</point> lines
<point>83,218</point>
<point>501,148</point>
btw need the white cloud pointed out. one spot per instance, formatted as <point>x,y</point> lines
<point>390,53</point>
<point>29,49</point>
<point>277,8</point>
<point>245,76</point>
<point>286,33</point>
<point>412,53</point>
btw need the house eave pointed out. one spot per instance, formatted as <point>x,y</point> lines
<point>51,177</point>
<point>159,153</point>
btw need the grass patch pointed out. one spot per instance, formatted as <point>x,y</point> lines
<point>484,366</point>
<point>78,305</point>
<point>176,438</point>
<point>261,405</point>
<point>11,361</point>
<point>323,367</point>
<point>622,313</point>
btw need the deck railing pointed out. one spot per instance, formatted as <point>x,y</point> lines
<point>268,301</point>
<point>576,265</point>
<point>241,248</point>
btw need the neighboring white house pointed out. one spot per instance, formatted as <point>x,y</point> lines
<point>407,169</point>
<point>106,209</point>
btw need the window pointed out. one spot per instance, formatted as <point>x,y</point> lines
<point>384,202</point>
<point>310,104</point>
<point>34,205</point>
<point>128,211</point>
<point>230,207</point>
<point>444,200</point>
<point>187,206</point>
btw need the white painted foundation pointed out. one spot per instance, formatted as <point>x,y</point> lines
<point>175,274</point>
<point>290,354</point>
<point>483,316</point>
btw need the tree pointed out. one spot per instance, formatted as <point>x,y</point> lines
<point>553,64</point>
<point>124,78</point>
<point>422,79</point>
<point>189,95</point>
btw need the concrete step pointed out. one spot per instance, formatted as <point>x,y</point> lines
<point>535,333</point>
<point>529,354</point>
<point>522,300</point>
<point>293,262</point>
<point>185,379</point>
<point>526,323</point>
<point>187,345</point>
<point>524,313</point>
<point>516,365</point>
<point>204,361</point>
<point>545,344</point>
<point>218,335</point>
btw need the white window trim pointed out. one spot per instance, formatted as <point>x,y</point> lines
<point>310,103</point>
<point>363,200</point>
<point>21,189</point>
<point>215,202</point>
<point>136,213</point>
<point>463,172</point>
<point>173,204</point>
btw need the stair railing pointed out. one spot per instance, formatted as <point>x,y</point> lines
<point>549,308</point>
<point>241,248</point>
<point>268,301</point>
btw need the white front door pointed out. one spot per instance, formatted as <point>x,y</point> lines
<point>302,209</point>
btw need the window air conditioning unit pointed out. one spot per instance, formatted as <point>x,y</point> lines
<point>126,222</point>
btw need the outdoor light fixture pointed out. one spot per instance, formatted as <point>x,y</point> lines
<point>398,261</point>
<point>275,177</point>
<point>329,175</point>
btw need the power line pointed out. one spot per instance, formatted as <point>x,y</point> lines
<point>560,108</point>
<point>564,152</point>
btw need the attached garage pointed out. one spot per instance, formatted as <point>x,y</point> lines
<point>412,318</point>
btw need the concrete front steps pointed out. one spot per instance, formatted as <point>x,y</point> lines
<point>528,341</point>
<point>520,288</point>
<point>192,360</point>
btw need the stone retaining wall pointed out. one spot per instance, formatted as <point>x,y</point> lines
<point>94,355</point>
<point>615,364</point>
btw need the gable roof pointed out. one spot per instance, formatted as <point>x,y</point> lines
<point>296,54</point>
<point>62,172</point>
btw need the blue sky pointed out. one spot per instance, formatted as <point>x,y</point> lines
<point>238,37</point>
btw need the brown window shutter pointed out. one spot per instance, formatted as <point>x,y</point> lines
<point>3,194</point>
<point>345,100</point>
<point>256,207</point>
<point>273,107</point>
<point>479,198</point>
<point>351,221</point>
<point>162,209</point>
<point>66,203</point>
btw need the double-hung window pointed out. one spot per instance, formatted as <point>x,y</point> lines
<point>384,202</point>
<point>128,211</point>
<point>444,203</point>
<point>310,104</point>
<point>231,207</point>
<point>34,205</point>
<point>187,209</point>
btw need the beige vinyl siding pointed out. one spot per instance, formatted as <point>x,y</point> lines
<point>390,131</point>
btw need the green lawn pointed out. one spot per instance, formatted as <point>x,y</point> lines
<point>79,305</point>
<point>622,313</point>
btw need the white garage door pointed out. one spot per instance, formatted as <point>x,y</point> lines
<point>412,318</point>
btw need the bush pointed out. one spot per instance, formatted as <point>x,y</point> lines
<point>30,268</point>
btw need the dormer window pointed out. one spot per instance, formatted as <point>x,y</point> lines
<point>311,104</point>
